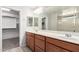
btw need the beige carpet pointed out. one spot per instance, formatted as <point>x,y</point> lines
<point>12,45</point>
<point>19,49</point>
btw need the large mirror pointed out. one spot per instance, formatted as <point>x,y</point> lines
<point>57,18</point>
<point>63,19</point>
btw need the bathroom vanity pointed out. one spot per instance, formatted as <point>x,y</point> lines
<point>47,33</point>
<point>42,42</point>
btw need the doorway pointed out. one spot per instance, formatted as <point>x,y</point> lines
<point>10,29</point>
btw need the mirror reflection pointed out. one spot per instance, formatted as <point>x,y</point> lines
<point>56,18</point>
<point>64,19</point>
<point>35,21</point>
<point>30,21</point>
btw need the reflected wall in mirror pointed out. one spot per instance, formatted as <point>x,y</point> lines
<point>64,19</point>
<point>43,23</point>
<point>30,21</point>
<point>77,21</point>
<point>35,21</point>
<point>66,23</point>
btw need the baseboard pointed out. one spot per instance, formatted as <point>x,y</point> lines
<point>11,38</point>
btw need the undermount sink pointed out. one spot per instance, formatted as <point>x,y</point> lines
<point>60,35</point>
<point>69,38</point>
<point>74,38</point>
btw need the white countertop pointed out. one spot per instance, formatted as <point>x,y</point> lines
<point>57,35</point>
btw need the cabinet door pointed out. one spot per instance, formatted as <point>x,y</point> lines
<point>27,41</point>
<point>30,41</point>
<point>40,41</point>
<point>53,48</point>
<point>64,44</point>
<point>37,49</point>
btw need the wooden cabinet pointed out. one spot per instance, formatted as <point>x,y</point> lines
<point>53,48</point>
<point>60,45</point>
<point>39,43</point>
<point>30,40</point>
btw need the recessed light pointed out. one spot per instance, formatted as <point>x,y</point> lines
<point>5,9</point>
<point>39,10</point>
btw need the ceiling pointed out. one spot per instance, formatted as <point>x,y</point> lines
<point>49,9</point>
<point>46,9</point>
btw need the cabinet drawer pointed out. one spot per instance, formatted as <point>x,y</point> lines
<point>40,43</point>
<point>30,34</point>
<point>66,45</point>
<point>39,37</point>
<point>53,48</point>
<point>37,49</point>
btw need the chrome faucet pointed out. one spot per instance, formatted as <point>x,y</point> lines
<point>68,35</point>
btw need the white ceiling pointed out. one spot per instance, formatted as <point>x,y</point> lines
<point>46,9</point>
<point>49,9</point>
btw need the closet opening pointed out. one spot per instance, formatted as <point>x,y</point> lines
<point>10,29</point>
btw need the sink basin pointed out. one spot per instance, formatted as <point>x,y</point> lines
<point>60,35</point>
<point>74,38</point>
<point>70,38</point>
